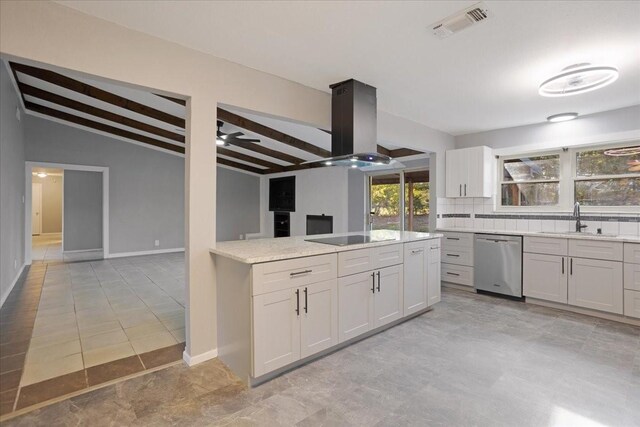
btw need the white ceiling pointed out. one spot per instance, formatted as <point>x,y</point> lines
<point>485,77</point>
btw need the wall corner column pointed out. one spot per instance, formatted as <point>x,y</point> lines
<point>200,230</point>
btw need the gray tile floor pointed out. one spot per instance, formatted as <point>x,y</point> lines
<point>47,248</point>
<point>473,360</point>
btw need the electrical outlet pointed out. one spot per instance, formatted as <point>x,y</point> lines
<point>157,243</point>
<point>241,237</point>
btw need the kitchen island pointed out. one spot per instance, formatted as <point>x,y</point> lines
<point>283,302</point>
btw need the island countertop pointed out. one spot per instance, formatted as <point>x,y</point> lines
<point>264,250</point>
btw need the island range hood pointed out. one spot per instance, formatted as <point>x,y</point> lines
<point>354,127</point>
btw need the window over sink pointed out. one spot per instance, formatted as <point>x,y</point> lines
<point>603,178</point>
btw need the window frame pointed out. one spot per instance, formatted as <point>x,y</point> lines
<point>567,179</point>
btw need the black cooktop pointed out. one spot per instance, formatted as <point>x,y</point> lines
<point>356,239</point>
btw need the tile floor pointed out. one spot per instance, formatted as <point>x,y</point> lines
<point>67,318</point>
<point>48,248</point>
<point>95,312</point>
<point>473,360</point>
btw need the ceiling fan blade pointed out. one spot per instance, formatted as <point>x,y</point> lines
<point>234,134</point>
<point>247,139</point>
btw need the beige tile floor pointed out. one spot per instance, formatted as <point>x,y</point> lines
<point>96,312</point>
<point>48,248</point>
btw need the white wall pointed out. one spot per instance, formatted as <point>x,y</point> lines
<point>608,126</point>
<point>318,191</point>
<point>51,203</point>
<point>11,187</point>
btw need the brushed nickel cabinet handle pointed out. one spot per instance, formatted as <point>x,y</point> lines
<point>297,273</point>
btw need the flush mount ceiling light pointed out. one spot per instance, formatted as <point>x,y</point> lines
<point>578,78</point>
<point>562,117</point>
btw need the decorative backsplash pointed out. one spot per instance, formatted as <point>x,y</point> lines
<point>479,213</point>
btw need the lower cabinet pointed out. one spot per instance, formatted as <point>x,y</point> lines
<point>632,303</point>
<point>369,300</point>
<point>421,275</point>
<point>292,324</point>
<point>545,277</point>
<point>596,284</point>
<point>434,282</point>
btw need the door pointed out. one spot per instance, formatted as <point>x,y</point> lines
<point>319,317</point>
<point>36,208</point>
<point>545,277</point>
<point>596,284</point>
<point>388,299</point>
<point>433,273</point>
<point>384,200</point>
<point>355,305</point>
<point>416,201</point>
<point>415,277</point>
<point>276,329</point>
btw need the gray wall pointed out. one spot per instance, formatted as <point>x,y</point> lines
<point>356,202</point>
<point>82,210</point>
<point>146,187</point>
<point>51,203</point>
<point>238,204</point>
<point>11,186</point>
<point>553,135</point>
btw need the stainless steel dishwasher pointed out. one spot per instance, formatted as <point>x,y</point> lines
<point>498,264</point>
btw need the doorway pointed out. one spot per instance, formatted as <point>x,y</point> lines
<point>66,215</point>
<point>399,201</point>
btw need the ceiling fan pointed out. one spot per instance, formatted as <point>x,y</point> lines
<point>226,139</point>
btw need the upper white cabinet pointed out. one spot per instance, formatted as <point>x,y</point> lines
<point>469,172</point>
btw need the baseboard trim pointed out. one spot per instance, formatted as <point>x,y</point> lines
<point>15,280</point>
<point>140,253</point>
<point>585,311</point>
<point>194,360</point>
<point>82,250</point>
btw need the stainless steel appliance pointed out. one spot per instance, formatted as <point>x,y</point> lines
<point>498,264</point>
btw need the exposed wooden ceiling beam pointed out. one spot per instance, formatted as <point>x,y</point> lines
<point>403,152</point>
<point>103,114</point>
<point>94,92</point>
<point>268,132</point>
<point>383,150</point>
<point>268,152</point>
<point>179,101</point>
<point>273,167</point>
<point>102,127</point>
<point>242,166</point>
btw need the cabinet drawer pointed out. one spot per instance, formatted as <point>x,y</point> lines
<point>632,303</point>
<point>453,240</point>
<point>361,260</point>
<point>595,249</point>
<point>545,245</point>
<point>632,253</point>
<point>388,255</point>
<point>460,274</point>
<point>632,276</point>
<point>458,256</point>
<point>278,275</point>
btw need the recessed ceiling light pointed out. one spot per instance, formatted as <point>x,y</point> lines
<point>579,78</point>
<point>41,175</point>
<point>562,117</point>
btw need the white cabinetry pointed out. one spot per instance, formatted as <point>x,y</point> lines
<point>544,277</point>
<point>294,323</point>
<point>434,286</point>
<point>421,275</point>
<point>469,172</point>
<point>596,284</point>
<point>632,280</point>
<point>457,258</point>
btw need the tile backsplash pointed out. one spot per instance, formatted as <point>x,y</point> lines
<point>478,213</point>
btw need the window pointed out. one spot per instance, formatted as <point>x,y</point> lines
<point>600,178</point>
<point>531,181</point>
<point>608,177</point>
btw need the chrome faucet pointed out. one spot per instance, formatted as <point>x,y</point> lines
<point>576,215</point>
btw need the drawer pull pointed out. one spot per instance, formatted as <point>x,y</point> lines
<point>417,251</point>
<point>453,238</point>
<point>452,274</point>
<point>435,247</point>
<point>454,255</point>
<point>297,273</point>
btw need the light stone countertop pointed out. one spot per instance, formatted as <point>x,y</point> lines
<point>265,250</point>
<point>557,235</point>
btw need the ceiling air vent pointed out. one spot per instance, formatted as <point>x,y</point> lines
<point>459,21</point>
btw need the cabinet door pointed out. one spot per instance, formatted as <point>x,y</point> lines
<point>480,172</point>
<point>545,277</point>
<point>433,273</point>
<point>415,277</point>
<point>319,317</point>
<point>276,331</point>
<point>355,305</point>
<point>632,303</point>
<point>596,284</point>
<point>388,301</point>
<point>455,173</point>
